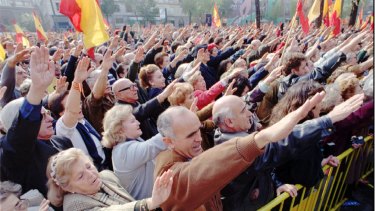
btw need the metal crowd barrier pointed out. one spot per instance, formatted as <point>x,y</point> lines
<point>329,194</point>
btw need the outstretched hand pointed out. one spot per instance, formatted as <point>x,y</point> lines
<point>282,128</point>
<point>42,70</point>
<point>344,109</point>
<point>82,71</point>
<point>161,190</point>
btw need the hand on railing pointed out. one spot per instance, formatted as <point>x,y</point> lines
<point>291,189</point>
<point>331,160</point>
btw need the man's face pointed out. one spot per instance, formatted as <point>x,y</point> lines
<point>241,120</point>
<point>21,75</point>
<point>206,55</point>
<point>303,69</point>
<point>187,141</point>
<point>127,92</point>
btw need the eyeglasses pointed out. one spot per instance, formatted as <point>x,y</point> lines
<point>133,87</point>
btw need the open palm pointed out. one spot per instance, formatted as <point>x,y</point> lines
<point>42,70</point>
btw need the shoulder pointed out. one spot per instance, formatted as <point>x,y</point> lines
<point>80,202</point>
<point>109,176</point>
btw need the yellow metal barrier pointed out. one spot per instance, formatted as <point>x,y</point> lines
<point>329,193</point>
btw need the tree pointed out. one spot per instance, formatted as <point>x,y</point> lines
<point>147,9</point>
<point>26,21</point>
<point>144,8</point>
<point>353,12</point>
<point>257,13</point>
<point>109,7</point>
<point>188,6</point>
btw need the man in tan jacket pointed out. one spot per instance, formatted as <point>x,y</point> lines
<point>199,176</point>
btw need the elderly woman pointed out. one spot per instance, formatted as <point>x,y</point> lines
<point>75,183</point>
<point>132,157</point>
<point>152,80</point>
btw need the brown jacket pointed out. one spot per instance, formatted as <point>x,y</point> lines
<point>197,182</point>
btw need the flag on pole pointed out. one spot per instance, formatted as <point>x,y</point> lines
<point>86,17</point>
<point>20,36</point>
<point>335,20</point>
<point>215,17</point>
<point>360,17</point>
<point>326,14</point>
<point>39,28</point>
<point>2,53</point>
<point>314,11</point>
<point>302,18</point>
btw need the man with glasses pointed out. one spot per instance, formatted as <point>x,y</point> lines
<point>126,92</point>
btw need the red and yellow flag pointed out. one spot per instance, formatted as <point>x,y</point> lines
<point>39,28</point>
<point>2,53</point>
<point>86,17</point>
<point>216,17</point>
<point>302,18</point>
<point>20,36</point>
<point>314,11</point>
<point>326,14</point>
<point>335,18</point>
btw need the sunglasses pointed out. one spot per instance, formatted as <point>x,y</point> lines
<point>133,86</point>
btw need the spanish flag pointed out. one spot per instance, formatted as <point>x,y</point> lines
<point>2,53</point>
<point>215,17</point>
<point>39,29</point>
<point>335,18</point>
<point>86,17</point>
<point>326,14</point>
<point>302,18</point>
<point>20,36</point>
<point>314,11</point>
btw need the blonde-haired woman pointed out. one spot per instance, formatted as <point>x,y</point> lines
<point>75,183</point>
<point>132,157</point>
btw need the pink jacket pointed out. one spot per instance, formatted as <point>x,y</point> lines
<point>206,97</point>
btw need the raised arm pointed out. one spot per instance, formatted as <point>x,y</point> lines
<point>73,103</point>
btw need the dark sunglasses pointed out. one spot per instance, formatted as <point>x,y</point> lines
<point>133,86</point>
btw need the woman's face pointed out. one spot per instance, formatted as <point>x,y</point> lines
<point>189,98</point>
<point>131,128</point>
<point>85,178</point>
<point>157,80</point>
<point>200,84</point>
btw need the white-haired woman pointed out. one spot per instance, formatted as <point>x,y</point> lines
<point>132,157</point>
<point>75,183</point>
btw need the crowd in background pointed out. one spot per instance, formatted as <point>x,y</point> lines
<point>192,118</point>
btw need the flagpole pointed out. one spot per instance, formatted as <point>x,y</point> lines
<point>288,37</point>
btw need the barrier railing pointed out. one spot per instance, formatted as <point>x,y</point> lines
<point>329,193</point>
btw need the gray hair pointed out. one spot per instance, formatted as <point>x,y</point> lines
<point>10,112</point>
<point>221,115</point>
<point>332,97</point>
<point>182,69</point>
<point>92,77</point>
<point>165,120</point>
<point>25,86</point>
<point>368,85</point>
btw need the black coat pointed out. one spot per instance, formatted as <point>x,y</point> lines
<point>23,158</point>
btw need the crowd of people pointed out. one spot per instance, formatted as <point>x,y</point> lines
<point>192,118</point>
